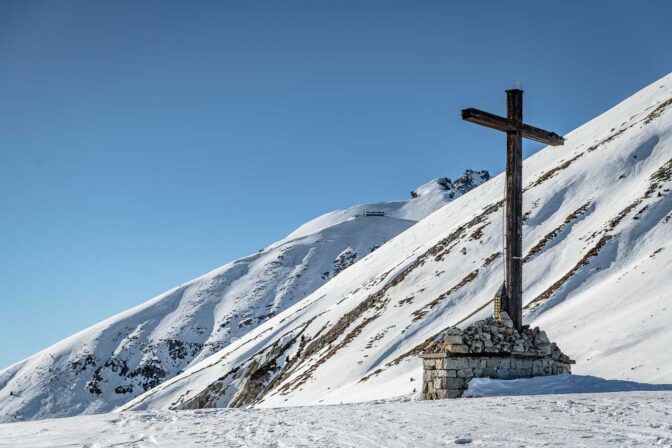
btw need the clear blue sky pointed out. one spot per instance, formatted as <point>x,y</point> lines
<point>144,143</point>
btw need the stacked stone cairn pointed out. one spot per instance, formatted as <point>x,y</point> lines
<point>489,348</point>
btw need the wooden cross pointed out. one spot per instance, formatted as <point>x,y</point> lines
<point>515,131</point>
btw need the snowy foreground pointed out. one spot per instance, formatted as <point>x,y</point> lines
<point>608,419</point>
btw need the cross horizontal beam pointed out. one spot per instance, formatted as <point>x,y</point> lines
<point>505,125</point>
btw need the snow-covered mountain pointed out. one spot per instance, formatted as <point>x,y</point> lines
<point>109,363</point>
<point>597,278</point>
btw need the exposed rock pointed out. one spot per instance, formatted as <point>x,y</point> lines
<point>344,260</point>
<point>480,335</point>
<point>466,182</point>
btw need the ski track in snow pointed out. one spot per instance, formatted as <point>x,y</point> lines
<point>609,419</point>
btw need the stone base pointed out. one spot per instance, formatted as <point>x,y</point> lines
<point>488,348</point>
<point>447,375</point>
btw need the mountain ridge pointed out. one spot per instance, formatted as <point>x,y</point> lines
<point>107,364</point>
<point>596,245</point>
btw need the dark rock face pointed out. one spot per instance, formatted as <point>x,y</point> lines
<point>470,180</point>
<point>445,183</point>
<point>466,182</point>
<point>346,259</point>
<point>144,376</point>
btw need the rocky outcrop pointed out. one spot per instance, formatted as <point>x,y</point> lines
<point>470,180</point>
<point>455,188</point>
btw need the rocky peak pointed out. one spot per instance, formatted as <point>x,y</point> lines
<point>466,182</point>
<point>470,180</point>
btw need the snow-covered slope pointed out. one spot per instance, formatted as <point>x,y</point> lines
<point>106,365</point>
<point>597,278</point>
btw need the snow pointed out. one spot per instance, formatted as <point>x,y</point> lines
<point>109,363</point>
<point>427,198</point>
<point>577,420</point>
<point>557,384</point>
<point>597,253</point>
<point>273,330</point>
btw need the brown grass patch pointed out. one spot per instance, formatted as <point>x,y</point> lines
<point>558,284</point>
<point>555,232</point>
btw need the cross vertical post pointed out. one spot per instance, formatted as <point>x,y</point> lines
<point>515,131</point>
<point>514,203</point>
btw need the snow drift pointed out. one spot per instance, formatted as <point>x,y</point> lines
<point>556,384</point>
